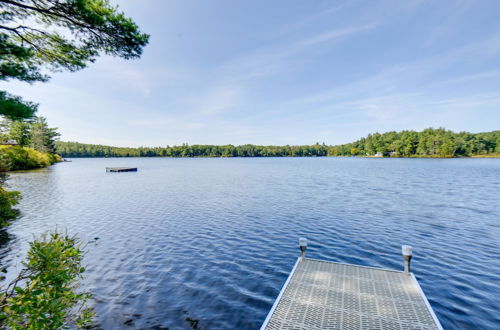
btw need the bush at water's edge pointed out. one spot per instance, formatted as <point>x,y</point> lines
<point>23,158</point>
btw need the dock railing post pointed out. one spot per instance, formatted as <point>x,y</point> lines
<point>303,247</point>
<point>407,253</point>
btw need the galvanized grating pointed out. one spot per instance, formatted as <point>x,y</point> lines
<point>326,295</point>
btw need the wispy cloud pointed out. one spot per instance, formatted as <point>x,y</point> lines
<point>402,77</point>
<point>337,34</point>
<point>308,20</point>
<point>237,77</point>
<point>471,77</point>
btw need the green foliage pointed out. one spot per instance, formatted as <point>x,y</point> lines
<point>19,131</point>
<point>53,34</point>
<point>14,107</point>
<point>8,199</point>
<point>23,158</point>
<point>63,34</point>
<point>48,297</point>
<point>41,137</point>
<point>18,61</point>
<point>59,34</point>
<point>428,143</point>
<point>34,133</point>
<point>74,149</point>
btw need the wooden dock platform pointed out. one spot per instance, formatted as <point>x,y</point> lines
<point>329,295</point>
<point>121,169</point>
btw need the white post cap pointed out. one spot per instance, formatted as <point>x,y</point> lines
<point>407,250</point>
<point>303,242</point>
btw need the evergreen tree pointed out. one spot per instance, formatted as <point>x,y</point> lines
<point>20,132</point>
<point>43,138</point>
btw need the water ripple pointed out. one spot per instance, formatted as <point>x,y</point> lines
<point>208,243</point>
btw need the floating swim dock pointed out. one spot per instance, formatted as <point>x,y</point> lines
<point>329,295</point>
<point>121,169</point>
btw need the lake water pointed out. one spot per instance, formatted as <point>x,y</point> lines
<point>208,243</point>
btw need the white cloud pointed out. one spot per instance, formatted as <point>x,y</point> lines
<point>337,34</point>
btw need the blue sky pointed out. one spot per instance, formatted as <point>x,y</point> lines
<point>284,72</point>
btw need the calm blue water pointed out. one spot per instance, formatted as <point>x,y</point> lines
<point>213,240</point>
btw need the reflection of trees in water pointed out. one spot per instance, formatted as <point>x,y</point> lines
<point>3,177</point>
<point>5,248</point>
<point>4,239</point>
<point>4,235</point>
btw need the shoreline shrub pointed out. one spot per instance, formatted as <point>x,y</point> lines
<point>45,293</point>
<point>24,158</point>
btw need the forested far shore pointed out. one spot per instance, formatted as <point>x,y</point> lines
<point>427,143</point>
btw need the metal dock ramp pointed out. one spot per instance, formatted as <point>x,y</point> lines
<point>329,295</point>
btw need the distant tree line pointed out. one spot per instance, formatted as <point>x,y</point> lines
<point>428,143</point>
<point>74,149</point>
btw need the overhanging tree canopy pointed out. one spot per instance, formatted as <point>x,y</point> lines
<point>60,34</point>
<point>15,108</point>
